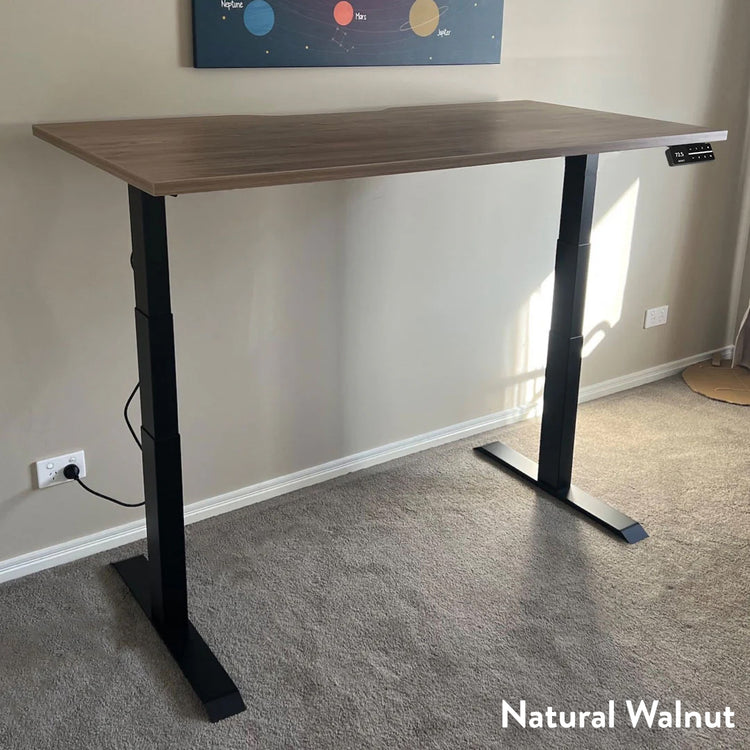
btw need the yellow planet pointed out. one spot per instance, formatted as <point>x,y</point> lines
<point>424,17</point>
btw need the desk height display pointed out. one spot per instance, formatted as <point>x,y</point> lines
<point>160,157</point>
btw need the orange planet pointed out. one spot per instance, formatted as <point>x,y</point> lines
<point>343,13</point>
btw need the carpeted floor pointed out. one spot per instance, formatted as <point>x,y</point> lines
<point>397,607</point>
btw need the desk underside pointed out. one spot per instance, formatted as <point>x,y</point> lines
<point>202,154</point>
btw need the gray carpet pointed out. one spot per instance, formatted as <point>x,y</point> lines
<point>397,607</point>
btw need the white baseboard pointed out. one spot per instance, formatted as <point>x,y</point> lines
<point>75,549</point>
<point>651,375</point>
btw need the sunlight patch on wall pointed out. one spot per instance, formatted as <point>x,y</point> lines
<point>611,242</point>
<point>537,332</point>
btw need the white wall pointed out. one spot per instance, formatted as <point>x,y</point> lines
<point>315,321</point>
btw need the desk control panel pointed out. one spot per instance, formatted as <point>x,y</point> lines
<point>691,154</point>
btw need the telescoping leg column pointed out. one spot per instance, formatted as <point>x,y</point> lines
<point>159,583</point>
<point>554,471</point>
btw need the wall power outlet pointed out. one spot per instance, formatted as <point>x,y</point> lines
<point>656,316</point>
<point>49,471</point>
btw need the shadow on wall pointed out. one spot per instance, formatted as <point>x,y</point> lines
<point>405,236</point>
<point>184,16</point>
<point>352,328</point>
<point>705,231</point>
<point>710,230</point>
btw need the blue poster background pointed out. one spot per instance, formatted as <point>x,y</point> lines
<point>309,33</point>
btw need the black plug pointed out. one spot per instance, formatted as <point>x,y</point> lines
<point>71,471</point>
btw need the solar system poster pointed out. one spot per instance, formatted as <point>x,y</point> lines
<point>311,33</point>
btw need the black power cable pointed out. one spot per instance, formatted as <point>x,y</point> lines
<point>125,414</point>
<point>71,471</point>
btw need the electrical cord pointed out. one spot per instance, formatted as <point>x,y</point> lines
<point>71,471</point>
<point>125,414</point>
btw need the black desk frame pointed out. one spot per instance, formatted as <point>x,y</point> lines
<point>553,473</point>
<point>159,584</point>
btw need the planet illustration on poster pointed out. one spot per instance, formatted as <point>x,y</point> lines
<point>346,33</point>
<point>259,17</point>
<point>424,17</point>
<point>343,13</point>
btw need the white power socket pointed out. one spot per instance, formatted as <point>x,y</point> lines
<point>49,471</point>
<point>656,316</point>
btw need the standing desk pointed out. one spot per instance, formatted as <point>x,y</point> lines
<point>162,157</point>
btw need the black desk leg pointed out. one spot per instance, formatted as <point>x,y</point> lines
<point>553,473</point>
<point>159,584</point>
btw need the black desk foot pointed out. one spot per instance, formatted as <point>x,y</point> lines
<point>205,674</point>
<point>624,526</point>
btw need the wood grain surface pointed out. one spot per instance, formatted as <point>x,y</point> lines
<point>200,154</point>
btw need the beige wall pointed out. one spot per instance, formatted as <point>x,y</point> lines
<point>739,297</point>
<point>745,291</point>
<point>315,321</point>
